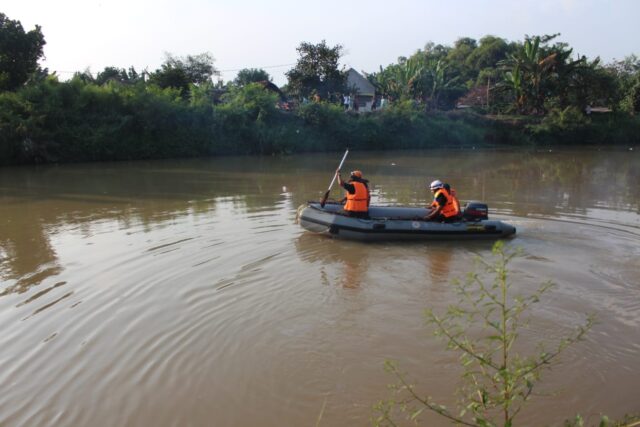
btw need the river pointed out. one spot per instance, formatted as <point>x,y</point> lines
<point>183,293</point>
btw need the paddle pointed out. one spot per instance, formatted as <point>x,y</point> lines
<point>326,195</point>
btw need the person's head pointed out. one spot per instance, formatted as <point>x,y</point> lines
<point>436,185</point>
<point>356,174</point>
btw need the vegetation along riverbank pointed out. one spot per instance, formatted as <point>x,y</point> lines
<point>477,93</point>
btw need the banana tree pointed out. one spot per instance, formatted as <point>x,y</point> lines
<point>439,81</point>
<point>530,68</point>
<point>513,81</point>
<point>400,81</point>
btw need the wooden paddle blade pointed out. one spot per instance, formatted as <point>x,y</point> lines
<point>323,201</point>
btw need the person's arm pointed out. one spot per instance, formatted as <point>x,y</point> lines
<point>441,201</point>
<point>351,189</point>
<point>433,213</point>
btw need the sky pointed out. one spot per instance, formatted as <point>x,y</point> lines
<point>93,34</point>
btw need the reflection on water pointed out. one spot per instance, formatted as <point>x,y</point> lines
<point>179,292</point>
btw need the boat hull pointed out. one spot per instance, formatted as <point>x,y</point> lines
<point>395,223</point>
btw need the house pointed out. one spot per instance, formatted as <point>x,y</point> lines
<point>267,85</point>
<point>362,91</point>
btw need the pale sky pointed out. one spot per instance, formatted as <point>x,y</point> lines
<point>240,34</point>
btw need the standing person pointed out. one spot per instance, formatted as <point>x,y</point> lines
<point>357,196</point>
<point>445,206</point>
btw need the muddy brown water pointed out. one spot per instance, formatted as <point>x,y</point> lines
<point>183,293</point>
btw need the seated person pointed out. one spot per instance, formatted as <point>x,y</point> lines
<point>357,196</point>
<point>445,206</point>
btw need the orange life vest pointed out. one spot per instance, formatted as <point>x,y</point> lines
<point>359,201</point>
<point>452,207</point>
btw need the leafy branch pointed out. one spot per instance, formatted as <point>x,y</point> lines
<point>497,381</point>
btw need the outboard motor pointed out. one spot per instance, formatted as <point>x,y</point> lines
<point>475,211</point>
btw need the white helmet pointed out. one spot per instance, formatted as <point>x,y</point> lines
<point>436,184</point>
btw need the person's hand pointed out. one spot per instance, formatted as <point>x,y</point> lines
<point>338,172</point>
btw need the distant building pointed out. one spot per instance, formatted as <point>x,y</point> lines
<point>362,91</point>
<point>596,110</point>
<point>272,88</point>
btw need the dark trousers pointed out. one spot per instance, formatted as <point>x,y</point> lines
<point>442,218</point>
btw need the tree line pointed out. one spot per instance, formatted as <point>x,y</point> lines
<point>529,92</point>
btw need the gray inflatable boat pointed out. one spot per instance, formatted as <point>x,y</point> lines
<point>400,223</point>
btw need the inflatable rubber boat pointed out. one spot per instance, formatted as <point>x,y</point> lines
<point>400,223</point>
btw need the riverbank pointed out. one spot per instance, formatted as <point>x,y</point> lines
<point>61,122</point>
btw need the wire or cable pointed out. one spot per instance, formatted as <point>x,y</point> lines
<point>220,71</point>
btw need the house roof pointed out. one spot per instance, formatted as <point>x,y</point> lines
<point>273,88</point>
<point>362,85</point>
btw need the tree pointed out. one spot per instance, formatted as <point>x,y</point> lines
<point>490,51</point>
<point>179,72</point>
<point>441,82</point>
<point>251,75</point>
<point>19,53</point>
<point>634,97</point>
<point>485,58</point>
<point>457,58</point>
<point>528,71</point>
<point>402,81</point>
<point>627,75</point>
<point>120,75</point>
<point>317,71</point>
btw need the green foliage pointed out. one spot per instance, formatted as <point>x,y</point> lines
<point>120,75</point>
<point>251,75</point>
<point>14,115</point>
<point>565,120</point>
<point>180,73</point>
<point>489,53</point>
<point>77,121</point>
<point>256,102</point>
<point>528,73</point>
<point>316,71</point>
<point>498,381</point>
<point>19,53</point>
<point>626,74</point>
<point>431,76</point>
<point>321,114</point>
<point>634,97</point>
<point>252,124</point>
<point>403,81</point>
